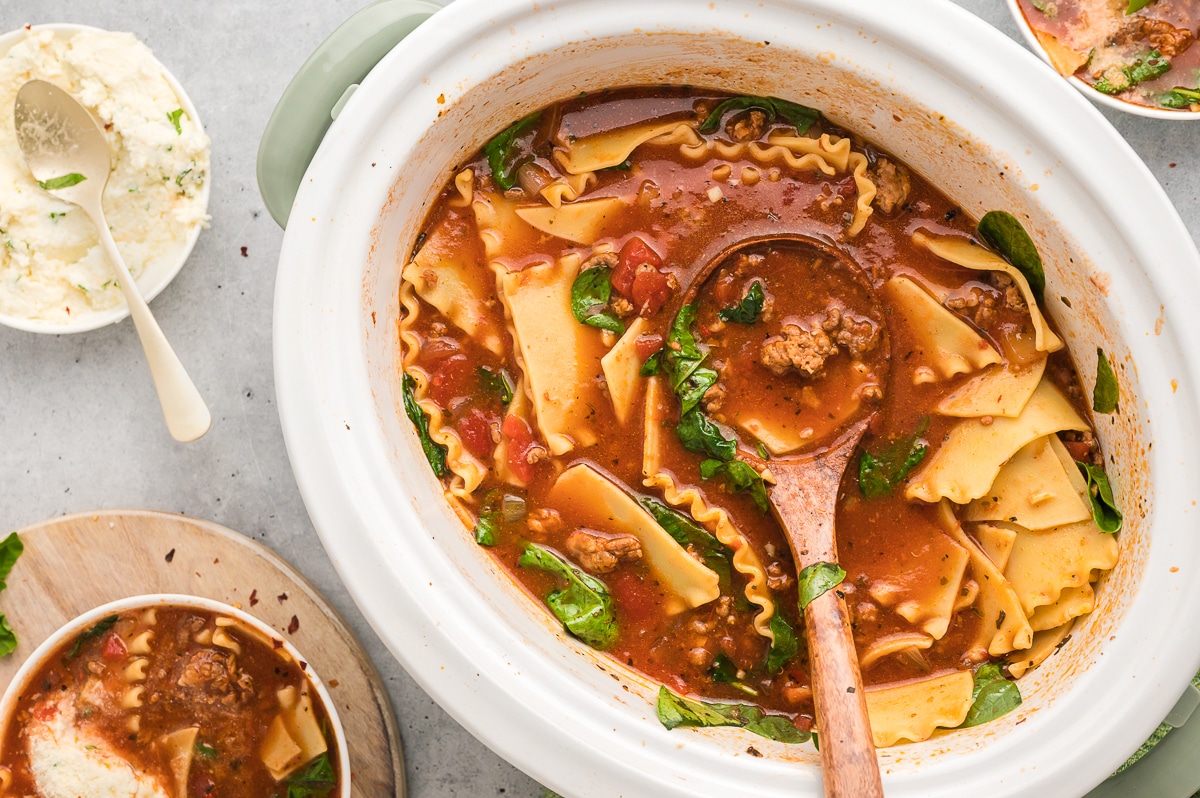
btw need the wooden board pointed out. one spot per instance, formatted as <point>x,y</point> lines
<point>77,562</point>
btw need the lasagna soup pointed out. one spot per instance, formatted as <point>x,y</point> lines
<point>605,425</point>
<point>169,702</point>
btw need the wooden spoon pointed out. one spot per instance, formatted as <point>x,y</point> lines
<point>804,499</point>
<point>66,151</point>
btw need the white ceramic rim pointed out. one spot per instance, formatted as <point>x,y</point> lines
<point>82,622</point>
<point>480,675</point>
<point>102,318</point>
<point>1014,8</point>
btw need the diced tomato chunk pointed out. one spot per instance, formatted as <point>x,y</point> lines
<point>651,290</point>
<point>1079,451</point>
<point>646,345</point>
<point>453,380</point>
<point>520,443</point>
<point>114,647</point>
<point>475,429</point>
<point>635,253</point>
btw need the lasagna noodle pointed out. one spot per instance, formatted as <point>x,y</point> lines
<point>999,390</point>
<point>947,345</point>
<point>464,184</point>
<point>965,253</point>
<point>1004,626</point>
<point>1044,563</point>
<point>1044,644</point>
<point>891,645</point>
<point>457,287</point>
<point>567,188</point>
<point>606,507</point>
<point>996,542</point>
<point>561,356</point>
<point>622,368</point>
<point>579,222</point>
<point>605,150</point>
<point>966,464</point>
<point>913,710</point>
<point>1034,490</point>
<point>467,471</point>
<point>1072,602</point>
<point>866,194</point>
<point>714,519</point>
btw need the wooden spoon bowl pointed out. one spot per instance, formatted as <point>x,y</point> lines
<point>809,421</point>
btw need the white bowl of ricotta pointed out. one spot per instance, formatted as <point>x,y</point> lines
<point>54,276</point>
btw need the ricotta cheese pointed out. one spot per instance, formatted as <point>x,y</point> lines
<point>69,762</point>
<point>52,266</point>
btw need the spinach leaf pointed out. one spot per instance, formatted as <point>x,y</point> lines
<point>652,366</point>
<point>798,116</point>
<point>624,166</point>
<point>687,533</point>
<point>1107,392</point>
<point>725,672</point>
<point>8,638</point>
<point>683,357</point>
<point>435,452</point>
<point>63,181</point>
<point>879,474</point>
<point>785,646</point>
<point>90,634</point>
<point>675,711</point>
<point>739,476</point>
<point>1004,233</point>
<point>584,605</point>
<point>746,311</point>
<point>316,781</point>
<point>1045,6</point>
<point>10,550</point>
<point>1179,97</point>
<point>174,117</point>
<point>992,696</point>
<point>699,434</point>
<point>1104,507</point>
<point>1136,5</point>
<point>498,382</point>
<point>590,294</point>
<point>488,525</point>
<point>1147,66</point>
<point>818,579</point>
<point>205,751</point>
<point>502,154</point>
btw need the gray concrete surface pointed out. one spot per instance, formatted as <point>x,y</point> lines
<point>79,423</point>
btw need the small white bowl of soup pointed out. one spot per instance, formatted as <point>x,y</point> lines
<point>165,696</point>
<point>1138,57</point>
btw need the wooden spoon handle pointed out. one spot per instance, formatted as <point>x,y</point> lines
<point>848,765</point>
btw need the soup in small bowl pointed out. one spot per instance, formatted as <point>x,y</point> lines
<point>169,696</point>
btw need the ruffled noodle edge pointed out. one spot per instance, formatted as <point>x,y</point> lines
<point>716,520</point>
<point>467,471</point>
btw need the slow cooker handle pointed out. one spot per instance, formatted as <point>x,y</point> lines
<point>322,86</point>
<point>1171,768</point>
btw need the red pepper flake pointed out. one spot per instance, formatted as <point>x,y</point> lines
<point>216,561</point>
<point>293,625</point>
<point>245,252</point>
<point>282,597</point>
<point>303,665</point>
<point>276,644</point>
<point>170,555</point>
<point>253,597</point>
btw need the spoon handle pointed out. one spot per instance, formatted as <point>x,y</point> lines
<point>183,408</point>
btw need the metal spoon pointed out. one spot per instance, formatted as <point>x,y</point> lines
<point>804,499</point>
<point>67,153</point>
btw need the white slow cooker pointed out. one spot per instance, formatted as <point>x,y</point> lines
<point>984,119</point>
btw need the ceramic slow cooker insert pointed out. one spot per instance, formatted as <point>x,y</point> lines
<point>983,120</point>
